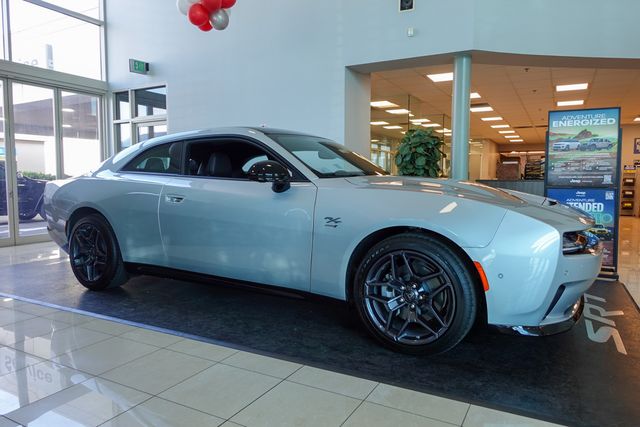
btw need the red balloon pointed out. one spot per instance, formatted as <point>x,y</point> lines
<point>198,14</point>
<point>206,26</point>
<point>226,4</point>
<point>211,5</point>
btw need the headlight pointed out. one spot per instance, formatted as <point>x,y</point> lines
<point>580,242</point>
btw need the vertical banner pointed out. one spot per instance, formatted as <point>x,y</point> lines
<point>583,167</point>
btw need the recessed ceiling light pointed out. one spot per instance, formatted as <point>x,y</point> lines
<point>383,104</point>
<point>66,126</point>
<point>431,125</point>
<point>380,123</point>
<point>499,126</point>
<point>68,110</point>
<point>577,86</point>
<point>517,140</point>
<point>442,77</point>
<point>475,95</point>
<point>637,119</point>
<point>440,130</point>
<point>512,136</point>
<point>481,108</point>
<point>568,103</point>
<point>491,119</point>
<point>375,140</point>
<point>399,111</point>
<point>393,127</point>
<point>507,131</point>
<point>420,120</point>
<point>447,134</point>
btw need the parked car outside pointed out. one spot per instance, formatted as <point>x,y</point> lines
<point>30,195</point>
<point>566,145</point>
<point>421,260</point>
<point>596,144</point>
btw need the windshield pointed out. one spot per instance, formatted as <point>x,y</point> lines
<point>326,158</point>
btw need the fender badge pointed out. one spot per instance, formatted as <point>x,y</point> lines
<point>332,222</point>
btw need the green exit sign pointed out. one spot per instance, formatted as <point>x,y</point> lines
<point>140,67</point>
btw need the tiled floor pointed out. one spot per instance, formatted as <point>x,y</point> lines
<point>60,368</point>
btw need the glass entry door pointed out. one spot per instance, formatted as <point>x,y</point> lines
<point>6,232</point>
<point>35,153</point>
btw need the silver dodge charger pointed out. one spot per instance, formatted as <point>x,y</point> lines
<point>421,260</point>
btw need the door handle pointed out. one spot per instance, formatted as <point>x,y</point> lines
<point>173,199</point>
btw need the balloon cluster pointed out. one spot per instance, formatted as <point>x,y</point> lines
<point>207,14</point>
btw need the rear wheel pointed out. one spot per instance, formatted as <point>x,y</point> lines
<point>95,255</point>
<point>415,294</point>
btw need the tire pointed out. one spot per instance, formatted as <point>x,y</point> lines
<point>426,304</point>
<point>41,211</point>
<point>95,255</point>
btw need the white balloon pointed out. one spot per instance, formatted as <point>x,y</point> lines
<point>183,6</point>
<point>219,19</point>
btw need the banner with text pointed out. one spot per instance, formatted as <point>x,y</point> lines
<point>601,204</point>
<point>583,148</point>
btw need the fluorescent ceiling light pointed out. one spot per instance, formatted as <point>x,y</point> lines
<point>491,119</point>
<point>393,127</point>
<point>375,140</point>
<point>637,119</point>
<point>499,126</point>
<point>66,126</point>
<point>380,123</point>
<point>431,125</point>
<point>442,77</point>
<point>440,130</point>
<point>517,140</point>
<point>447,134</point>
<point>420,120</point>
<point>383,104</point>
<point>68,110</point>
<point>399,111</point>
<point>447,130</point>
<point>577,86</point>
<point>507,131</point>
<point>475,95</point>
<point>512,136</point>
<point>568,103</point>
<point>481,108</point>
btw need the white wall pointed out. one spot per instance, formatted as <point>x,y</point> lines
<point>282,63</point>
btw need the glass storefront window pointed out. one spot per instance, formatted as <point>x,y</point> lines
<point>89,8</point>
<point>80,133</point>
<point>151,102</point>
<point>148,131</point>
<point>123,108</point>
<point>43,38</point>
<point>123,135</point>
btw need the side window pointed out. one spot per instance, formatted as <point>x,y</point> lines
<point>223,158</point>
<point>164,158</point>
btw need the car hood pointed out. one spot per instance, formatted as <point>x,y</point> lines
<point>541,208</point>
<point>454,188</point>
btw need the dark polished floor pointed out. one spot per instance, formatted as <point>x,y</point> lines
<point>569,378</point>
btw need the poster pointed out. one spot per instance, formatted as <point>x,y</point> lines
<point>601,204</point>
<point>583,148</point>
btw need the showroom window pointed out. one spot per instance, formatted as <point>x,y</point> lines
<point>60,35</point>
<point>139,115</point>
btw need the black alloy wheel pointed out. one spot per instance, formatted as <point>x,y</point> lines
<point>415,294</point>
<point>94,254</point>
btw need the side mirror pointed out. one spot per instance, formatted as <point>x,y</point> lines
<point>271,171</point>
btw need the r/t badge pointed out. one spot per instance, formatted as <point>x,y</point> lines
<point>332,222</point>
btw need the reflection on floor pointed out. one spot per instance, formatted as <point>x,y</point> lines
<point>629,255</point>
<point>63,368</point>
<point>31,227</point>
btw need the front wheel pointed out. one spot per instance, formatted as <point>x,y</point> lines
<point>415,294</point>
<point>95,255</point>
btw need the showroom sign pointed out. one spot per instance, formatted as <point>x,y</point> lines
<point>583,168</point>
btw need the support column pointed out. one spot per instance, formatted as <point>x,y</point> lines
<point>357,135</point>
<point>460,117</point>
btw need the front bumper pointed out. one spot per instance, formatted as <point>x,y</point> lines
<point>549,329</point>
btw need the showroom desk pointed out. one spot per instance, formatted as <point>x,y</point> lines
<point>526,186</point>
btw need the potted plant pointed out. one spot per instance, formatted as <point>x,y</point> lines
<point>420,153</point>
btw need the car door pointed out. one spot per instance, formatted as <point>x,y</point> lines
<point>220,223</point>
